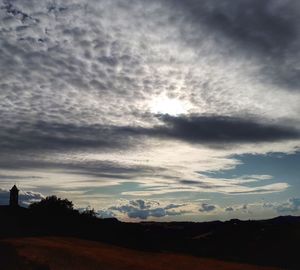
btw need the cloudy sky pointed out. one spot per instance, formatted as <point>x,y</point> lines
<point>153,110</point>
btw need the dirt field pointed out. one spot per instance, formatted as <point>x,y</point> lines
<point>68,253</point>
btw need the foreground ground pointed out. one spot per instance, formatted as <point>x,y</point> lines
<point>45,253</point>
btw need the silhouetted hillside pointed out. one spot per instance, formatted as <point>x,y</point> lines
<point>68,253</point>
<point>271,242</point>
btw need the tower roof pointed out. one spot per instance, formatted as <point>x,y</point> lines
<point>14,188</point>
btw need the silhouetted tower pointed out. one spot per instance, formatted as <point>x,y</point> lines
<point>14,196</point>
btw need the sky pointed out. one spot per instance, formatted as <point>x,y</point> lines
<point>152,110</point>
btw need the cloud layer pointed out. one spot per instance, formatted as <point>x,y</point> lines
<point>146,209</point>
<point>80,80</point>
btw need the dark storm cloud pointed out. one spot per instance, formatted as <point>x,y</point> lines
<point>215,129</point>
<point>44,136</point>
<point>218,129</point>
<point>268,30</point>
<point>144,209</point>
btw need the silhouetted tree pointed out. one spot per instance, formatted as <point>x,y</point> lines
<point>53,205</point>
<point>88,212</point>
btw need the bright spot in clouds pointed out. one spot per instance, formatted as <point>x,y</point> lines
<point>87,85</point>
<point>166,105</point>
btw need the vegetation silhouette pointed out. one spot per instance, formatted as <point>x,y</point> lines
<point>270,242</point>
<point>52,205</point>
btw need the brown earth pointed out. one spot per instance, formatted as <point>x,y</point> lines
<point>61,253</point>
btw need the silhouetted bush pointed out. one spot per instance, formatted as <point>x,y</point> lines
<point>53,205</point>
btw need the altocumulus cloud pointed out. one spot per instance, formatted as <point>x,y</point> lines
<point>48,108</point>
<point>267,31</point>
<point>78,78</point>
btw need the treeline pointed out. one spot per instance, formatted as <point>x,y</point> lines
<point>54,206</point>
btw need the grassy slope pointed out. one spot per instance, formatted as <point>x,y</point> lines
<point>53,253</point>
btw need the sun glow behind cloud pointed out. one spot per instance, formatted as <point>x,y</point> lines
<point>166,105</point>
<point>105,100</point>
